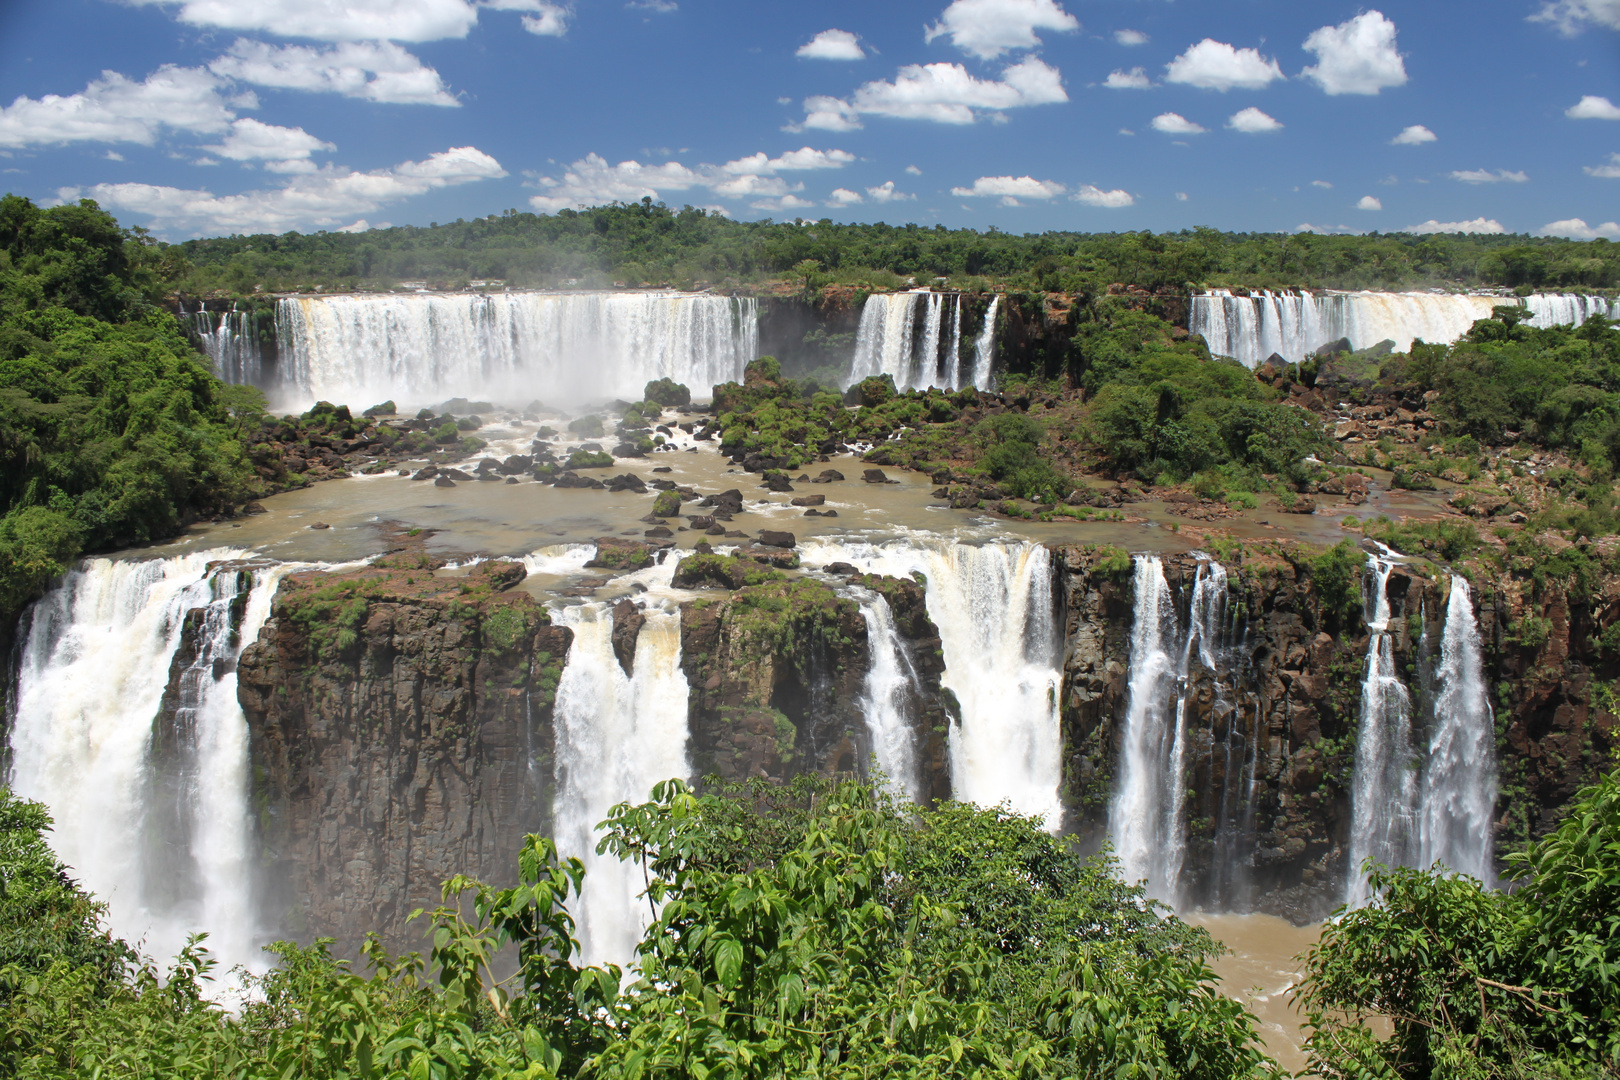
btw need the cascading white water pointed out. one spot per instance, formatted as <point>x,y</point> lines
<point>1459,783</point>
<point>94,665</point>
<point>562,346</point>
<point>1383,786</point>
<point>1293,325</point>
<point>1567,309</point>
<point>993,606</point>
<point>903,335</point>
<point>891,684</point>
<point>1148,819</point>
<point>617,736</point>
<point>230,340</point>
<point>984,346</point>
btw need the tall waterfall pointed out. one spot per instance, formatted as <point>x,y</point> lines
<point>1383,787</point>
<point>617,736</point>
<point>891,686</point>
<point>169,853</point>
<point>559,346</point>
<point>231,341</point>
<point>916,338</point>
<point>993,605</point>
<point>1459,783</point>
<point>1567,309</point>
<point>984,346</point>
<point>1250,328</point>
<point>1148,820</point>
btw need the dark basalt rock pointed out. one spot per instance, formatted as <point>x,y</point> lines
<point>627,623</point>
<point>810,500</point>
<point>444,482</point>
<point>776,538</point>
<point>875,476</point>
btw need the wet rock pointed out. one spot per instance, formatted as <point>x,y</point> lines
<point>319,525</point>
<point>840,569</point>
<point>810,500</point>
<point>426,472</point>
<point>776,538</point>
<point>701,521</point>
<point>829,513</point>
<point>627,622</point>
<point>517,464</point>
<point>1302,505</point>
<point>254,508</point>
<point>627,482</point>
<point>875,476</point>
<point>659,533</point>
<point>827,476</point>
<point>444,482</point>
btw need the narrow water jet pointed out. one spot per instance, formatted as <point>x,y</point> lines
<point>616,736</point>
<point>984,347</point>
<point>1459,783</point>
<point>892,686</point>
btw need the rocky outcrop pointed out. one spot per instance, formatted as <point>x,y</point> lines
<point>401,733</point>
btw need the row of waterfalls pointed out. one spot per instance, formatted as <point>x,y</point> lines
<point>590,346</point>
<point>125,722</point>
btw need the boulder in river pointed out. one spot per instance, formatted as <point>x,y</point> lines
<point>810,500</point>
<point>776,538</point>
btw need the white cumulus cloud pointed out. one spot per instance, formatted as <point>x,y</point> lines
<point>1413,135</point>
<point>1092,195</point>
<point>793,161</point>
<point>1253,122</point>
<point>1175,124</point>
<point>1215,65</point>
<point>321,199</point>
<point>591,181</point>
<point>989,28</point>
<point>785,202</point>
<point>1573,16</point>
<point>1130,37</point>
<point>1134,79</point>
<point>913,170</point>
<point>885,192</point>
<point>251,140</point>
<point>943,93</point>
<point>326,20</point>
<point>1592,107</point>
<point>1611,171</point>
<point>1485,176</point>
<point>548,18</point>
<point>832,45</point>
<point>1356,57</point>
<point>1369,203</point>
<point>115,108</point>
<point>843,197</point>
<point>1321,184</point>
<point>1477,225</point>
<point>1010,189</point>
<point>1578,229</point>
<point>373,70</point>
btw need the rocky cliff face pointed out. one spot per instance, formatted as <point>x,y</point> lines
<point>401,733</point>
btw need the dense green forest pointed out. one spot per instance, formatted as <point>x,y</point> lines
<point>818,930</point>
<point>649,243</point>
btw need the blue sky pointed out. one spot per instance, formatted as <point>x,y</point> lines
<point>202,117</point>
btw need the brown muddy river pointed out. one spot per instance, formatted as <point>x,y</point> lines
<point>502,519</point>
<point>1261,970</point>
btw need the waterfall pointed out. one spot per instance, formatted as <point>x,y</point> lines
<point>984,347</point>
<point>1383,787</point>
<point>1567,309</point>
<point>1250,328</point>
<point>1459,783</point>
<point>617,736</point>
<point>993,605</point>
<point>564,346</point>
<point>96,659</point>
<point>1148,819</point>
<point>231,340</point>
<point>903,335</point>
<point>891,687</point>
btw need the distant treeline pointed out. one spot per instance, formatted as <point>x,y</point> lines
<point>648,243</point>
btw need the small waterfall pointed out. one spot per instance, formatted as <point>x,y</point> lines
<point>617,736</point>
<point>891,687</point>
<point>993,605</point>
<point>169,855</point>
<point>1383,788</point>
<point>984,346</point>
<point>1459,784</point>
<point>903,335</point>
<point>566,346</point>
<point>231,340</point>
<point>1148,820</point>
